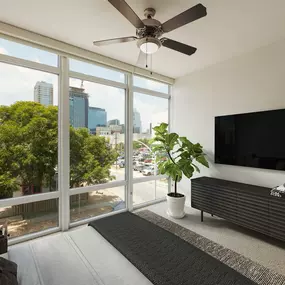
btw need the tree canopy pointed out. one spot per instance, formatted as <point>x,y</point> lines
<point>90,158</point>
<point>138,145</point>
<point>29,149</point>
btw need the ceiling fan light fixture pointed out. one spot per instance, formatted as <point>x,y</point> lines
<point>149,45</point>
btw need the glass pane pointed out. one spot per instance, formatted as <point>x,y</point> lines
<point>143,192</point>
<point>150,190</point>
<point>149,111</point>
<point>30,218</point>
<point>97,119</point>
<point>95,70</point>
<point>27,52</point>
<point>92,204</point>
<point>150,84</point>
<point>161,189</point>
<point>28,131</point>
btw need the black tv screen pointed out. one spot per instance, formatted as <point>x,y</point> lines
<point>252,139</point>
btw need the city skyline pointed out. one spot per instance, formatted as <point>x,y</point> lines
<point>17,84</point>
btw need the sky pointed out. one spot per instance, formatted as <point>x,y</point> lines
<point>17,84</point>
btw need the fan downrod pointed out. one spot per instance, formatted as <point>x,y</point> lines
<point>149,13</point>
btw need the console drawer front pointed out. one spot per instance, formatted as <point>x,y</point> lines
<point>277,217</point>
<point>201,197</point>
<point>246,205</point>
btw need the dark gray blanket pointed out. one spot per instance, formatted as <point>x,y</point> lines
<point>8,272</point>
<point>163,257</point>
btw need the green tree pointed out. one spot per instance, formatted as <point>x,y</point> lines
<point>7,186</point>
<point>29,150</point>
<point>28,139</point>
<point>90,158</point>
<point>137,144</point>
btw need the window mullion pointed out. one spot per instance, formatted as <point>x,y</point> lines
<point>63,139</point>
<point>129,143</point>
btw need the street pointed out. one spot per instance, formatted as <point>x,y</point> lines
<point>143,192</point>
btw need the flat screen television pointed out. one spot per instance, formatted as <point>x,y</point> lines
<point>252,139</point>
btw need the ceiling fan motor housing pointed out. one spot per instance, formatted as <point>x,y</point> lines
<point>152,28</point>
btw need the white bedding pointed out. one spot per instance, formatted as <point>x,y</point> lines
<point>79,257</point>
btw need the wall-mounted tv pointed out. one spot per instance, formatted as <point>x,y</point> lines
<point>252,139</point>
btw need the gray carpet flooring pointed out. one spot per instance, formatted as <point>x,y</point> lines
<point>163,257</point>
<point>252,270</point>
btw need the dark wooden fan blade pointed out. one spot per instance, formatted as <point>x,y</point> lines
<point>178,46</point>
<point>127,12</point>
<point>186,17</point>
<point>114,41</point>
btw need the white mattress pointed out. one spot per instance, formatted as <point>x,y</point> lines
<point>79,257</point>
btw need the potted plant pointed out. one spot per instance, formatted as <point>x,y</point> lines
<point>181,158</point>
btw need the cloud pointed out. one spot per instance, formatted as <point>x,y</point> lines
<point>17,83</point>
<point>150,84</point>
<point>3,51</point>
<point>153,110</point>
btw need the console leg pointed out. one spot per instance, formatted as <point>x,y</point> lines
<point>202,216</point>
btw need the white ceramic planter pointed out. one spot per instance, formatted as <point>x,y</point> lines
<point>175,206</point>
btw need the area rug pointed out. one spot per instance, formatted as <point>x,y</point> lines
<point>163,257</point>
<point>252,270</point>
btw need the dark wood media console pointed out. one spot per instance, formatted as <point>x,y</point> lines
<point>246,205</point>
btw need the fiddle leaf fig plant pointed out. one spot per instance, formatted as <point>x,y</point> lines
<point>176,155</point>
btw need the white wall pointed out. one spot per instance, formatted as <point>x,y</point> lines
<point>254,81</point>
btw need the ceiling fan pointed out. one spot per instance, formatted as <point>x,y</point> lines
<point>150,30</point>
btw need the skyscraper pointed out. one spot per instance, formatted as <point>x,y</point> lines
<point>114,122</point>
<point>43,93</point>
<point>78,107</point>
<point>97,117</point>
<point>137,124</point>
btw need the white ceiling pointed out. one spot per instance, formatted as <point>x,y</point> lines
<point>230,28</point>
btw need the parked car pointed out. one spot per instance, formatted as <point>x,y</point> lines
<point>149,171</point>
<point>138,166</point>
<point>121,164</point>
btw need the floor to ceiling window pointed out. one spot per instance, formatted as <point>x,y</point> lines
<point>28,140</point>
<point>75,140</point>
<point>97,144</point>
<point>150,108</point>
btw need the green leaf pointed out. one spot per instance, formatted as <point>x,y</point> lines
<point>161,129</point>
<point>185,142</point>
<point>197,148</point>
<point>196,167</point>
<point>201,159</point>
<point>163,126</point>
<point>158,139</point>
<point>186,167</point>
<point>171,140</point>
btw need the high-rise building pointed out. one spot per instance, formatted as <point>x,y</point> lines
<point>123,128</point>
<point>78,107</point>
<point>114,122</point>
<point>43,93</point>
<point>137,124</point>
<point>97,117</point>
